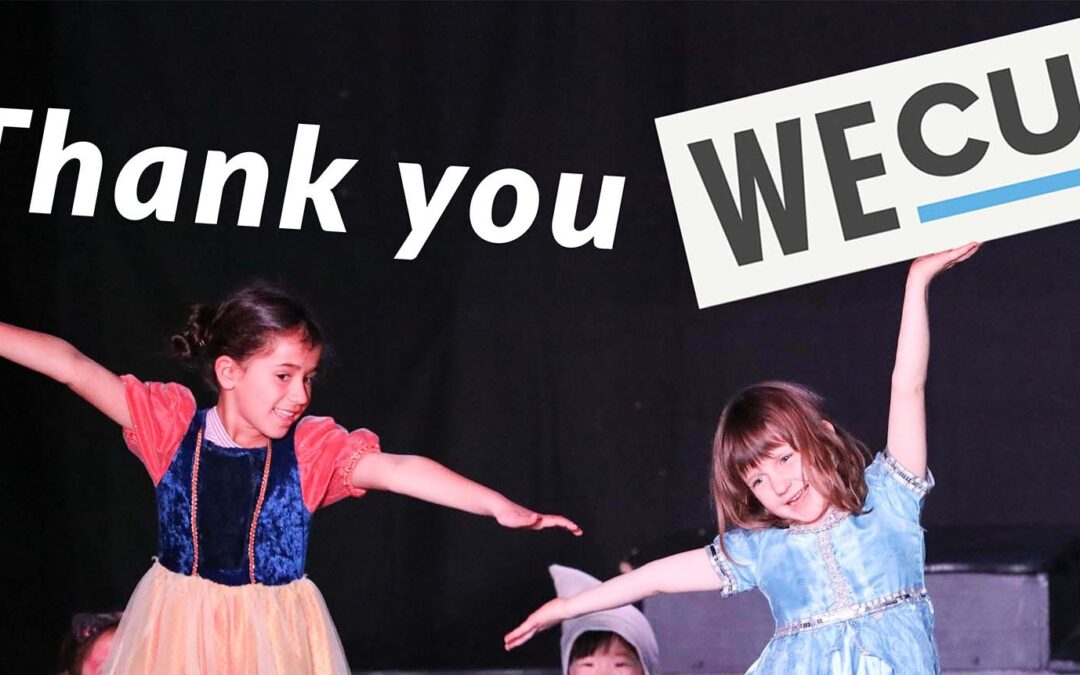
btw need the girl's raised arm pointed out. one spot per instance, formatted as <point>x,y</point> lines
<point>56,358</point>
<point>426,479</point>
<point>679,573</point>
<point>907,404</point>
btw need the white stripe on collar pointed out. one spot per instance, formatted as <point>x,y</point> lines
<point>215,431</point>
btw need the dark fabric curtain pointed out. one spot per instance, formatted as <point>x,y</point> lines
<point>577,381</point>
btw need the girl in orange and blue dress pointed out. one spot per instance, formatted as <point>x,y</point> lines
<point>236,487</point>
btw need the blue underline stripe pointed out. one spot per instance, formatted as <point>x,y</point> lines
<point>999,195</point>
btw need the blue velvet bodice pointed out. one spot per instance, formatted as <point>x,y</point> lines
<point>229,481</point>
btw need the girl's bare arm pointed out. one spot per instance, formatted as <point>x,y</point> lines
<point>907,403</point>
<point>426,479</point>
<point>51,356</point>
<point>679,573</point>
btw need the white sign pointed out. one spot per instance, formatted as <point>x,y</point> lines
<point>877,166</point>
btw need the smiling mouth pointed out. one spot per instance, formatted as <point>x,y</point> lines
<point>286,415</point>
<point>797,497</point>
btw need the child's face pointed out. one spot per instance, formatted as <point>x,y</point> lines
<point>272,389</point>
<point>614,657</point>
<point>782,486</point>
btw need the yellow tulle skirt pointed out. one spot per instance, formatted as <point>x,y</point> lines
<point>181,625</point>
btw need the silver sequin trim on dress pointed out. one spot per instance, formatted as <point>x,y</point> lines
<point>852,611</point>
<point>909,480</point>
<point>722,566</point>
<point>833,517</point>
<point>839,588</point>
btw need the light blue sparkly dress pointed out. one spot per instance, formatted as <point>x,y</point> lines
<point>847,595</point>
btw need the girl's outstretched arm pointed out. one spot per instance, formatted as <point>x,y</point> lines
<point>57,359</point>
<point>426,479</point>
<point>907,405</point>
<point>679,573</point>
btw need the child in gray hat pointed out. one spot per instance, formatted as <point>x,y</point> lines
<point>617,640</point>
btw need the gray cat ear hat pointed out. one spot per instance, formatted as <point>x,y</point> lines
<point>627,621</point>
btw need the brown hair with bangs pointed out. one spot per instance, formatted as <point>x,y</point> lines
<point>764,417</point>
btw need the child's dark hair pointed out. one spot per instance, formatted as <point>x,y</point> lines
<point>241,326</point>
<point>77,643</point>
<point>769,415</point>
<point>595,641</point>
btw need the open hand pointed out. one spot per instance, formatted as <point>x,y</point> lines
<point>519,517</point>
<point>547,616</point>
<point>927,267</point>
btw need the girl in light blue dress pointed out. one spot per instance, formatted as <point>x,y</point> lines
<point>832,541</point>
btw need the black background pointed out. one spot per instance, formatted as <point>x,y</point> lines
<point>584,382</point>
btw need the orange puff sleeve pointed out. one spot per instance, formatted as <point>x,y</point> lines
<point>327,455</point>
<point>160,415</point>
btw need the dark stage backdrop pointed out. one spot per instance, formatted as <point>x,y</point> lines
<point>581,381</point>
